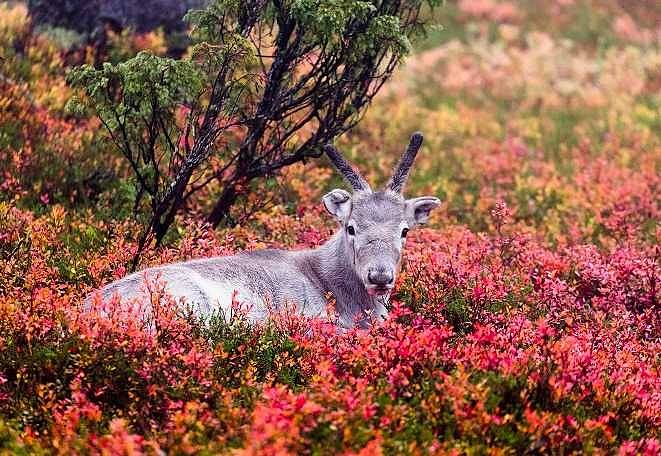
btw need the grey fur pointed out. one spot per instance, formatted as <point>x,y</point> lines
<point>351,265</point>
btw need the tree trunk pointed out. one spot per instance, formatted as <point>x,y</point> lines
<point>220,211</point>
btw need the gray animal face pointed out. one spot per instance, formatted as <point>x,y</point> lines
<point>375,224</point>
<point>374,233</point>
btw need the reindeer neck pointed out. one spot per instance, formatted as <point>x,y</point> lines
<point>332,264</point>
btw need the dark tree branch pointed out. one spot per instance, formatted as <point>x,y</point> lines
<point>270,72</point>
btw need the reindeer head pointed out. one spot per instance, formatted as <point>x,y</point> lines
<point>375,223</point>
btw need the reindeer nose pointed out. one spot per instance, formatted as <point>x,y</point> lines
<point>379,277</point>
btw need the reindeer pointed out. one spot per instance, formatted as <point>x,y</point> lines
<point>358,264</point>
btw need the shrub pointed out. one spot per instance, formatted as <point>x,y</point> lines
<point>526,318</point>
<point>269,83</point>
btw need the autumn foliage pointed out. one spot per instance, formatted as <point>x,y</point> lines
<point>526,320</point>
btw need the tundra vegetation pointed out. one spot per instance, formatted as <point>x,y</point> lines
<point>526,317</point>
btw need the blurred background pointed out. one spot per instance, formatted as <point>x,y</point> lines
<point>526,319</point>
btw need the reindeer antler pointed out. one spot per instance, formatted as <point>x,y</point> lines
<point>357,182</point>
<point>401,172</point>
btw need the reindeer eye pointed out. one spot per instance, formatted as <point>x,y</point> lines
<point>351,230</point>
<point>405,231</point>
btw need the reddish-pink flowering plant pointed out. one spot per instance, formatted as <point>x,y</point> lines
<point>526,318</point>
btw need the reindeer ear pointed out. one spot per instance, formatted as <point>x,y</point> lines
<point>418,209</point>
<point>338,203</point>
